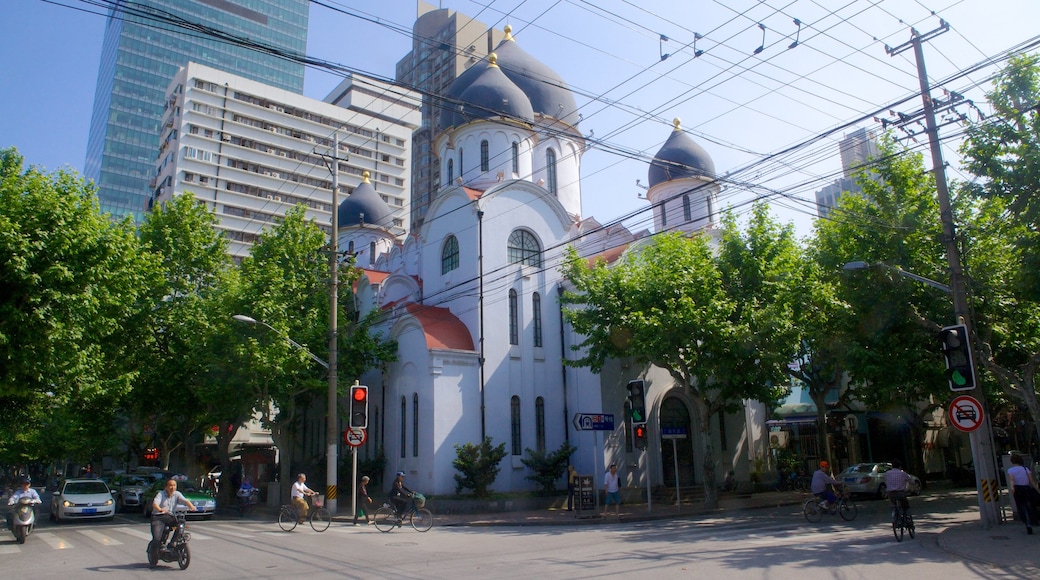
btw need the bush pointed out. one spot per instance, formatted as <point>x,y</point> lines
<point>548,467</point>
<point>477,466</point>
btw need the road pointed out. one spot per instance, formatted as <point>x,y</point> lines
<point>763,543</point>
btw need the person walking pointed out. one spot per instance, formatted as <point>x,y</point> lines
<point>363,500</point>
<point>612,491</point>
<point>1024,490</point>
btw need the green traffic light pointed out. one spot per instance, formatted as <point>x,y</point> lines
<point>958,378</point>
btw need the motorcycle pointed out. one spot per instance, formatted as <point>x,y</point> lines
<point>247,499</point>
<point>23,519</point>
<point>173,546</point>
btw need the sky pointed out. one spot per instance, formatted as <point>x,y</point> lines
<point>770,119</point>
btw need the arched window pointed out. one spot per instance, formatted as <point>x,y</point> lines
<point>404,425</point>
<point>516,157</point>
<point>350,247</point>
<point>539,423</point>
<point>514,424</point>
<point>536,314</point>
<point>450,255</point>
<point>686,210</point>
<point>371,252</point>
<point>485,156</point>
<point>451,171</point>
<point>514,319</point>
<point>462,168</point>
<point>415,424</point>
<point>523,248</point>
<point>550,170</point>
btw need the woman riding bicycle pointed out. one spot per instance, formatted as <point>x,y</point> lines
<point>399,494</point>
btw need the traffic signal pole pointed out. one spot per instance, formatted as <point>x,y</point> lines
<point>981,439</point>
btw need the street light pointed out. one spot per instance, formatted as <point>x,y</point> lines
<point>859,265</point>
<point>251,320</point>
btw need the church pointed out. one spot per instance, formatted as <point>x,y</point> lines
<point>471,296</point>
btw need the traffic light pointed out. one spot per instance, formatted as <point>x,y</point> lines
<point>637,401</point>
<point>639,435</point>
<point>359,406</point>
<point>960,370</point>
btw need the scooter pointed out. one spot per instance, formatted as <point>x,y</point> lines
<point>173,546</point>
<point>23,519</point>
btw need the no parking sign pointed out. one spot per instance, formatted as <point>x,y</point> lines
<point>965,413</point>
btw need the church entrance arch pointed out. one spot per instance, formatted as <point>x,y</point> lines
<point>678,457</point>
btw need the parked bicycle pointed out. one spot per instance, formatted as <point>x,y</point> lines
<point>902,521</point>
<point>794,482</point>
<point>845,507</point>
<point>417,515</point>
<point>317,515</point>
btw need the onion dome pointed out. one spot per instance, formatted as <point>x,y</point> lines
<point>680,157</point>
<point>492,94</point>
<point>547,93</point>
<point>364,206</point>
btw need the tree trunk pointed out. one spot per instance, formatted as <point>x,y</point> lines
<point>700,408</point>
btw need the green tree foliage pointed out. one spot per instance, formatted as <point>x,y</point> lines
<point>477,466</point>
<point>548,467</point>
<point>720,324</point>
<point>71,281</point>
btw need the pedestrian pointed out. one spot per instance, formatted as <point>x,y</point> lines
<point>1024,490</point>
<point>572,486</point>
<point>363,500</point>
<point>612,491</point>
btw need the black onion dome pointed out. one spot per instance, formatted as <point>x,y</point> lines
<point>364,206</point>
<point>492,94</point>
<point>549,95</point>
<point>453,96</point>
<point>680,157</point>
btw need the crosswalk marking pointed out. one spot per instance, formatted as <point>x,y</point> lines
<point>228,530</point>
<point>100,538</point>
<point>9,549</point>
<point>53,541</point>
<point>133,531</point>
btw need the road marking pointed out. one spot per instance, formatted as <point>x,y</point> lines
<point>228,530</point>
<point>100,538</point>
<point>54,541</point>
<point>9,549</point>
<point>133,531</point>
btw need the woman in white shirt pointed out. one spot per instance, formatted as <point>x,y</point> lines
<point>1023,489</point>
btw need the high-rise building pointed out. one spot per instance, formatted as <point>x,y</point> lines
<point>857,148</point>
<point>143,50</point>
<point>444,45</point>
<point>251,152</point>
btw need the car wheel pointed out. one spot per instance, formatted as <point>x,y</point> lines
<point>882,491</point>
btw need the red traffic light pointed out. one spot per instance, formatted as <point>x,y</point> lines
<point>359,406</point>
<point>359,393</point>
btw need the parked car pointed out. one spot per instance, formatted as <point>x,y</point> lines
<point>82,498</point>
<point>204,501</point>
<point>869,479</point>
<point>128,489</point>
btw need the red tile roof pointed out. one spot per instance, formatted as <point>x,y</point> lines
<point>443,329</point>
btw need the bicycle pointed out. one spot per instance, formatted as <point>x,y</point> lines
<point>420,518</point>
<point>902,521</point>
<point>846,508</point>
<point>319,517</point>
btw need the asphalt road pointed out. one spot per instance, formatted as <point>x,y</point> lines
<point>764,543</point>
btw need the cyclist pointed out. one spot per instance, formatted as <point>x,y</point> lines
<point>821,478</point>
<point>399,494</point>
<point>298,493</point>
<point>898,483</point>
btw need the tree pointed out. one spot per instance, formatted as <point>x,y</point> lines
<point>70,281</point>
<point>669,304</point>
<point>547,467</point>
<point>477,466</point>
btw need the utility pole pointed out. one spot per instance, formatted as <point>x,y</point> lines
<point>981,439</point>
<point>332,419</point>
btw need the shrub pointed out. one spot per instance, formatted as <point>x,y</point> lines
<point>548,467</point>
<point>477,466</point>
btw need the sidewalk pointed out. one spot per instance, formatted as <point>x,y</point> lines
<point>1006,546</point>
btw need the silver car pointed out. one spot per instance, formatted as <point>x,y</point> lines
<point>82,498</point>
<point>128,490</point>
<point>869,479</point>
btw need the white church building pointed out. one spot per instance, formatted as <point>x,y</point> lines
<point>471,297</point>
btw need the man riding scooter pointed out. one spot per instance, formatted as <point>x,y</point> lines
<point>24,491</point>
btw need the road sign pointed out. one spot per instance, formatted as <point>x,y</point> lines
<point>673,432</point>
<point>593,422</point>
<point>965,413</point>
<point>355,436</point>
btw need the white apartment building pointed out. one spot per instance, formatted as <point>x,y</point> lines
<point>251,151</point>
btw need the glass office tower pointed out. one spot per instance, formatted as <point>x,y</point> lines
<point>143,50</point>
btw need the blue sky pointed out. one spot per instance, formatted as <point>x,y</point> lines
<point>741,106</point>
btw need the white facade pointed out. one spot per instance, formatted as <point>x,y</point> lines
<point>251,152</point>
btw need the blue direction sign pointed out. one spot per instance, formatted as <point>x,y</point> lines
<point>593,422</point>
<point>673,432</point>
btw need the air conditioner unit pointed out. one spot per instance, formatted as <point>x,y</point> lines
<point>779,439</point>
<point>278,198</point>
<point>225,137</point>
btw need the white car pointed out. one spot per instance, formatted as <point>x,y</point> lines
<point>81,499</point>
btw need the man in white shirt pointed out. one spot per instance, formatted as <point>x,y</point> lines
<point>297,495</point>
<point>163,505</point>
<point>612,490</point>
